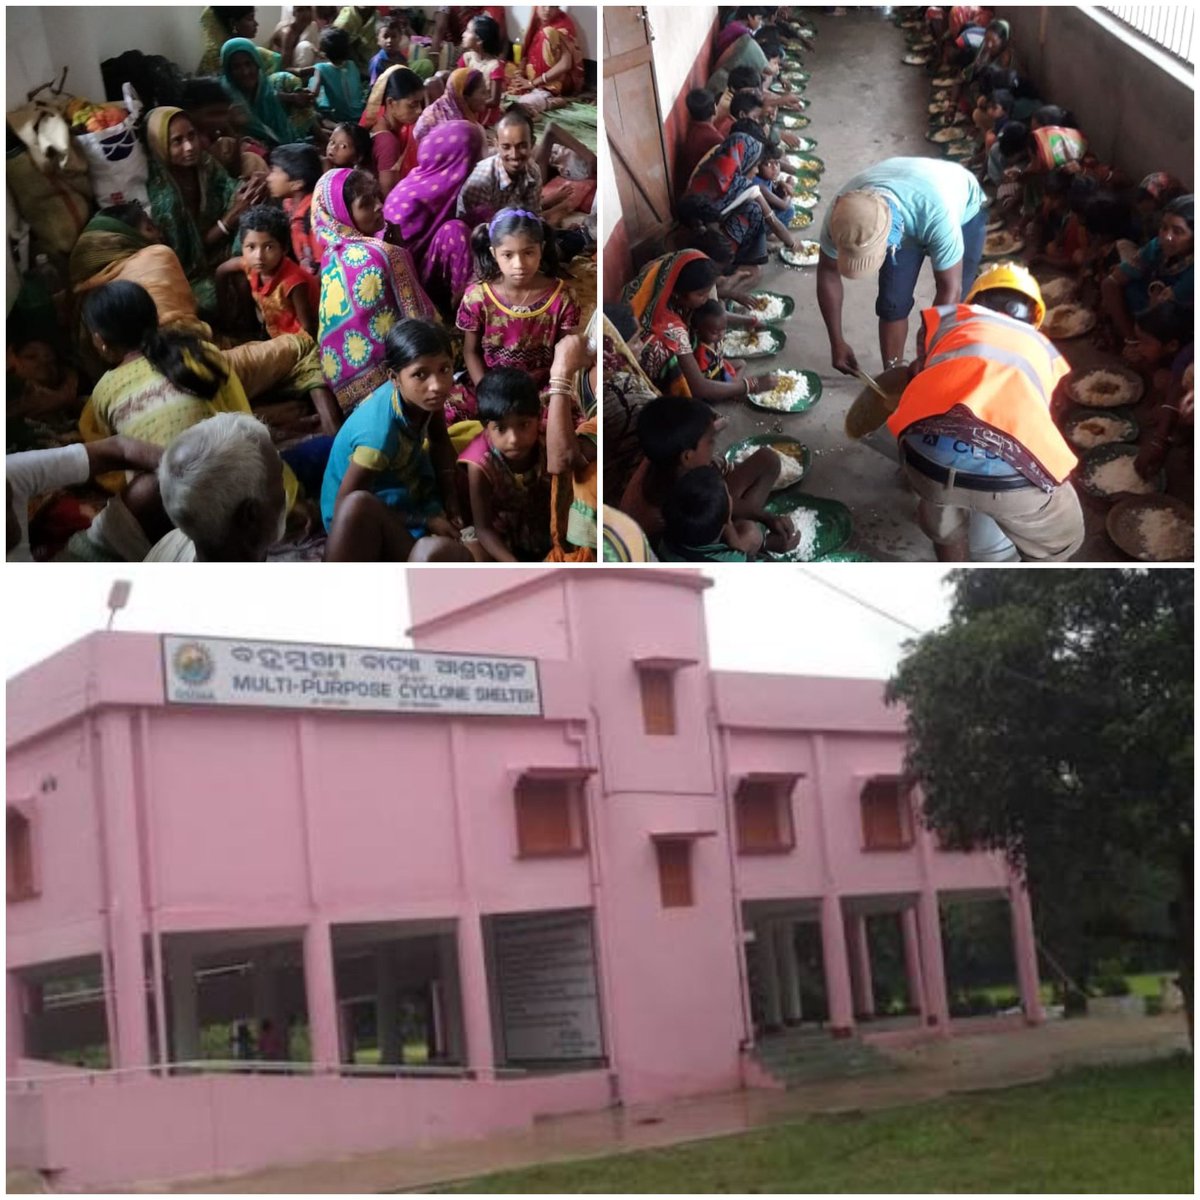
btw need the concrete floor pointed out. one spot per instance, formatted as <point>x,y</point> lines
<point>867,106</point>
<point>927,1069</point>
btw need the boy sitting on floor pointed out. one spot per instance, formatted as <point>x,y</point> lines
<point>699,523</point>
<point>678,435</point>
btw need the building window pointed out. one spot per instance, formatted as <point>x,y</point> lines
<point>675,872</point>
<point>886,815</point>
<point>658,700</point>
<point>18,833</point>
<point>763,810</point>
<point>550,818</point>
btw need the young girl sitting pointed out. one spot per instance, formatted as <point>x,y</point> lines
<point>505,465</point>
<point>482,44</point>
<point>337,84</point>
<point>383,487</point>
<point>520,307</point>
<point>349,145</point>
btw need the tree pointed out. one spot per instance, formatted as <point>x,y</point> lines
<point>1051,719</point>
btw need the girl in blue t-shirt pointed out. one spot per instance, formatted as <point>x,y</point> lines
<point>392,469</point>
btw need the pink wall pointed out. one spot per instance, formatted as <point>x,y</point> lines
<point>111,1133</point>
<point>50,781</point>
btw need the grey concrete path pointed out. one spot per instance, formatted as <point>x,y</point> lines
<point>929,1070</point>
<point>866,106</point>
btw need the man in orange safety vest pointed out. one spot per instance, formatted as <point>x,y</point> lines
<point>974,423</point>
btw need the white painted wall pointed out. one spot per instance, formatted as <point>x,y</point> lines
<point>678,35</point>
<point>40,41</point>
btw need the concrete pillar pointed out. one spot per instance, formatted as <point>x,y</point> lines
<point>768,961</point>
<point>387,1013</point>
<point>933,964</point>
<point>347,1043</point>
<point>446,1010</point>
<point>117,790</point>
<point>837,968</point>
<point>912,961</point>
<point>1025,954</point>
<point>320,991</point>
<point>476,1002</point>
<point>789,971</point>
<point>185,1003</point>
<point>14,1021</point>
<point>859,948</point>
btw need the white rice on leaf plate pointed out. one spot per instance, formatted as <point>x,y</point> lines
<point>1106,388</point>
<point>750,343</point>
<point>807,523</point>
<point>791,468</point>
<point>915,60</point>
<point>768,308</point>
<point>806,200</point>
<point>790,392</point>
<point>1087,431</point>
<point>1153,528</point>
<point>1068,321</point>
<point>801,219</point>
<point>949,134</point>
<point>1058,291</point>
<point>1109,471</point>
<point>807,254</point>
<point>1002,243</point>
<point>946,81</point>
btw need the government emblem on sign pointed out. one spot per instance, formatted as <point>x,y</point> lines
<point>193,664</point>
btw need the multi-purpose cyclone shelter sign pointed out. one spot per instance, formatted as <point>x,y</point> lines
<point>238,672</point>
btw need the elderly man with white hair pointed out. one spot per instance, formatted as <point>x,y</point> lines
<point>222,485</point>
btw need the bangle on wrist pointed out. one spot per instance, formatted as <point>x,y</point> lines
<point>223,227</point>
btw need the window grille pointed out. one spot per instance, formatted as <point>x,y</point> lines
<point>1168,26</point>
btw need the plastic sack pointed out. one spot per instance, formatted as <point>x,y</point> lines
<point>116,159</point>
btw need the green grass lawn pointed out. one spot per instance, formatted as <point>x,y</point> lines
<point>1149,984</point>
<point>1113,1129</point>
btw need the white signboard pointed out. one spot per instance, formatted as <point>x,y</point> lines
<point>228,671</point>
<point>546,977</point>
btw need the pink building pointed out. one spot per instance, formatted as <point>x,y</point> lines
<point>277,904</point>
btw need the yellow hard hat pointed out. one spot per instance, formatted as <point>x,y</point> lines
<point>1016,277</point>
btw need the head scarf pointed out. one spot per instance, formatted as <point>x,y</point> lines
<point>104,241</point>
<point>267,117</point>
<point>545,44</point>
<point>649,294</point>
<point>366,286</point>
<point>452,104</point>
<point>425,199</point>
<point>178,225</point>
<point>1183,207</point>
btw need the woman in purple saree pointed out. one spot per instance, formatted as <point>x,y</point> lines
<point>420,210</point>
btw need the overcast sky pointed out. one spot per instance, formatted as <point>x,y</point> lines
<point>761,617</point>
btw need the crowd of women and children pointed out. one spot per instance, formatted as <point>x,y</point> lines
<point>347,320</point>
<point>1018,166</point>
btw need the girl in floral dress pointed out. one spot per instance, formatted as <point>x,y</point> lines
<point>520,308</point>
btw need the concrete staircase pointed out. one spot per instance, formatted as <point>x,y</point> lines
<point>795,1057</point>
